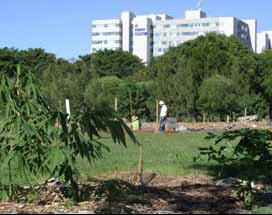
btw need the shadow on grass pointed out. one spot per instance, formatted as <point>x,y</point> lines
<point>258,173</point>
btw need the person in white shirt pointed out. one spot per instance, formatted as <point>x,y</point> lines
<point>163,116</point>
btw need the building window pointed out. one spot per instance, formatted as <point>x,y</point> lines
<point>173,43</point>
<point>182,25</point>
<point>205,24</point>
<point>97,42</point>
<point>166,26</point>
<point>159,26</point>
<point>189,33</point>
<point>111,33</point>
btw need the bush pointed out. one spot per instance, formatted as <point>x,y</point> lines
<point>219,96</point>
<point>247,148</point>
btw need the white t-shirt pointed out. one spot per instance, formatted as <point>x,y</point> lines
<point>163,111</point>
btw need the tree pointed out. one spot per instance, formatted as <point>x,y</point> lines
<point>133,98</point>
<point>30,59</point>
<point>113,63</point>
<point>219,96</point>
<point>137,99</point>
<point>263,79</point>
<point>181,71</point>
<point>63,80</point>
<point>102,91</point>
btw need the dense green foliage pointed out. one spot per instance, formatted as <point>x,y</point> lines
<point>247,153</point>
<point>218,95</point>
<point>191,78</point>
<point>182,70</point>
<point>247,148</point>
<point>113,63</point>
<point>263,78</point>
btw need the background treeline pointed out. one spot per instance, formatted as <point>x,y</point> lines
<point>213,75</point>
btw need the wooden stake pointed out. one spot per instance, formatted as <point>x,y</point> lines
<point>141,166</point>
<point>130,101</point>
<point>68,110</point>
<point>228,119</point>
<point>116,104</point>
<point>157,112</point>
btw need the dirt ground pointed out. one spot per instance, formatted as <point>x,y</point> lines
<point>212,126</point>
<point>162,195</point>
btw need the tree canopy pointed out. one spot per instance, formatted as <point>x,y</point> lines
<point>191,78</point>
<point>113,63</point>
<point>181,71</point>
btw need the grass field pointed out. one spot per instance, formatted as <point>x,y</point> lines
<point>163,153</point>
<point>167,154</point>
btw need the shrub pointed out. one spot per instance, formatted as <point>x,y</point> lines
<point>248,148</point>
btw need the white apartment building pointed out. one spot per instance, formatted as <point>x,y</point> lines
<point>107,34</point>
<point>151,35</point>
<point>264,41</point>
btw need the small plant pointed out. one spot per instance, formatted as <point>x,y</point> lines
<point>245,193</point>
<point>69,203</point>
<point>249,147</point>
<point>248,151</point>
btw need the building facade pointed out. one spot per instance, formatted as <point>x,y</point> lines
<point>152,35</point>
<point>264,41</point>
<point>107,34</point>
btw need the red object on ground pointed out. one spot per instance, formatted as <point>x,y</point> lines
<point>170,132</point>
<point>144,131</point>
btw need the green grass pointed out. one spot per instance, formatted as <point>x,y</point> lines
<point>168,154</point>
<point>264,210</point>
<point>163,153</point>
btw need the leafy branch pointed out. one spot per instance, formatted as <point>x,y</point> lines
<point>31,134</point>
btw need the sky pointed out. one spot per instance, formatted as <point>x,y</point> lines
<point>63,27</point>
